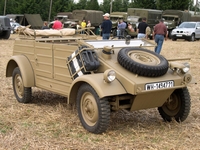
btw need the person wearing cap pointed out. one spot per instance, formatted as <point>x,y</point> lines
<point>106,26</point>
<point>160,34</point>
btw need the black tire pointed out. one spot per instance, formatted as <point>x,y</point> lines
<point>22,94</point>
<point>174,39</point>
<point>142,62</point>
<point>5,34</point>
<point>169,34</point>
<point>177,107</point>
<point>192,38</point>
<point>114,33</point>
<point>94,113</point>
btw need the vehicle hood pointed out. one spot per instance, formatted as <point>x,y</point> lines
<point>184,29</point>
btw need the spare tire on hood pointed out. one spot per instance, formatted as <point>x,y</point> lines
<point>142,61</point>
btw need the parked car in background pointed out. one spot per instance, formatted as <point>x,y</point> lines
<point>14,26</point>
<point>186,30</point>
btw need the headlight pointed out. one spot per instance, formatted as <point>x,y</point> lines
<point>183,67</point>
<point>173,31</point>
<point>109,75</point>
<point>186,68</point>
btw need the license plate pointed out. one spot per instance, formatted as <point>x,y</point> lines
<point>179,35</point>
<point>159,85</point>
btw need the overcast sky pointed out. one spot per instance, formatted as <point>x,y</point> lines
<point>101,1</point>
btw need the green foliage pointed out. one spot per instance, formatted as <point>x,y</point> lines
<point>173,4</point>
<point>92,5</point>
<point>147,4</point>
<point>43,7</point>
<point>105,6</point>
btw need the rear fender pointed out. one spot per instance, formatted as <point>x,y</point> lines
<point>102,88</point>
<point>25,68</point>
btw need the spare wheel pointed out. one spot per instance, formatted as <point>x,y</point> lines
<point>142,61</point>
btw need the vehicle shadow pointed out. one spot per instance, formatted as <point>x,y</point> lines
<point>42,97</point>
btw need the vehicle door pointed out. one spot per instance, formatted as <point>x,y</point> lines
<point>197,32</point>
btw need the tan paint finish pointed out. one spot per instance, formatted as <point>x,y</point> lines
<point>25,67</point>
<point>100,86</point>
<point>43,63</point>
<point>151,99</point>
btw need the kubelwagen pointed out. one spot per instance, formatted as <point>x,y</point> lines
<point>100,76</point>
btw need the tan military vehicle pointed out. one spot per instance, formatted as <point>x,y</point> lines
<point>100,76</point>
<point>67,20</point>
<point>115,17</point>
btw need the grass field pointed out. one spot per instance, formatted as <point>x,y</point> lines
<point>48,123</point>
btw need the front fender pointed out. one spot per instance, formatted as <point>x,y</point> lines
<point>25,68</point>
<point>102,88</point>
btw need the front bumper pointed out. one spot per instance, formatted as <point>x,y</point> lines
<point>180,36</point>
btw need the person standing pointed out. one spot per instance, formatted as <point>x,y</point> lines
<point>45,26</point>
<point>106,26</point>
<point>89,23</point>
<point>141,30</point>
<point>130,27</point>
<point>57,24</point>
<point>121,28</point>
<point>160,34</point>
<point>83,25</point>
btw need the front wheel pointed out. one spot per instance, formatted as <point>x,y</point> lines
<point>177,106</point>
<point>94,113</point>
<point>192,38</point>
<point>22,94</point>
<point>174,39</point>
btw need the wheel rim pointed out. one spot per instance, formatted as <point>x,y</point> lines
<point>172,105</point>
<point>89,109</point>
<point>144,58</point>
<point>19,86</point>
<point>192,37</point>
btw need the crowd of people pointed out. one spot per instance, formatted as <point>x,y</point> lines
<point>143,30</point>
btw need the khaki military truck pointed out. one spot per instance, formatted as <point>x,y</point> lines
<point>115,17</point>
<point>67,20</point>
<point>100,76</point>
<point>33,20</point>
<point>173,18</point>
<point>152,15</point>
<point>94,16</point>
<point>5,27</point>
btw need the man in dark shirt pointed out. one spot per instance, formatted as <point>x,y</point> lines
<point>106,26</point>
<point>141,31</point>
<point>160,33</point>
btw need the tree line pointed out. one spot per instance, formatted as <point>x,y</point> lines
<point>43,7</point>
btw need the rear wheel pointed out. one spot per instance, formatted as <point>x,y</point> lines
<point>177,106</point>
<point>94,113</point>
<point>22,94</point>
